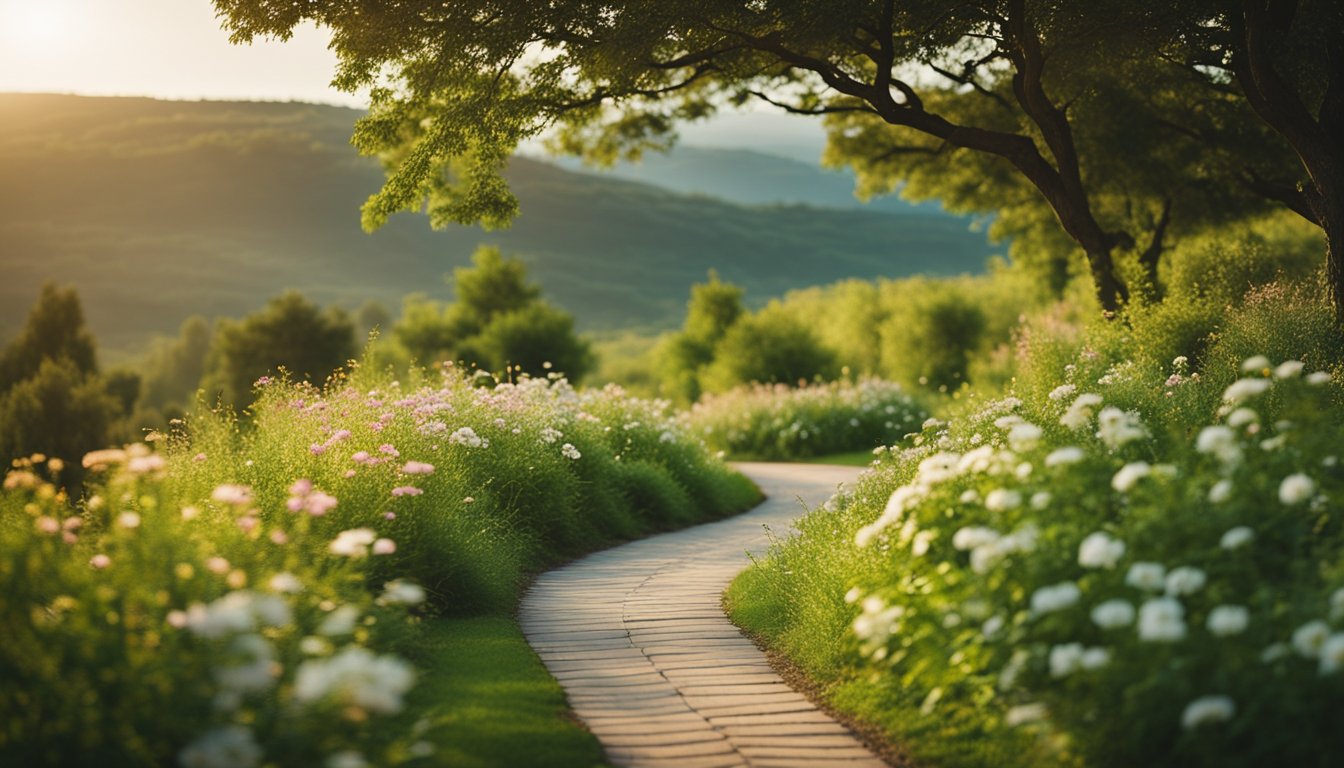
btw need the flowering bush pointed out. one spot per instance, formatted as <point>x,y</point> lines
<point>1090,576</point>
<point>250,594</point>
<point>780,422</point>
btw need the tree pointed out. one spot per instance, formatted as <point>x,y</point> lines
<point>289,332</point>
<point>174,367</point>
<point>55,331</point>
<point>1028,85</point>
<point>714,308</point>
<point>770,347</point>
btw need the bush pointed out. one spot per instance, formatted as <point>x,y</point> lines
<point>772,346</point>
<point>1147,575</point>
<point>779,422</point>
<point>240,598</point>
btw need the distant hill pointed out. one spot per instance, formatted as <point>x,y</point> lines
<point>157,210</point>
<point>751,178</point>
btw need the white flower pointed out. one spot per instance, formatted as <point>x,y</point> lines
<point>234,495</point>
<point>253,672</point>
<point>1332,654</point>
<point>286,583</point>
<point>1161,619</point>
<point>403,592</point>
<point>1040,500</point>
<point>1337,605</point>
<point>973,536</point>
<point>1221,442</point>
<point>1066,659</point>
<point>236,612</point>
<point>1220,492</point>
<point>1116,428</point>
<point>992,626</point>
<point>1318,378</point>
<point>1100,550</point>
<point>1062,391</point>
<point>128,520</point>
<point>356,677</point>
<point>1096,658</point>
<point>346,758</point>
<point>384,547</point>
<point>1255,363</point>
<point>570,452</point>
<point>1296,489</point>
<point>226,746</point>
<point>1244,389</point>
<point>339,622</point>
<point>1129,475</point>
<point>468,437</point>
<point>1235,538</point>
<point>1147,576</point>
<point>549,435</point>
<point>1207,709</point>
<point>1185,580</point>
<point>919,545</point>
<point>1309,638</point>
<point>1113,614</point>
<point>969,496</point>
<point>353,543</point>
<point>1241,417</point>
<point>1275,652</point>
<point>938,468</point>
<point>1289,369</point>
<point>1002,499</point>
<point>1055,597</point>
<point>1079,414</point>
<point>1064,456</point>
<point>1228,620</point>
<point>1024,436</point>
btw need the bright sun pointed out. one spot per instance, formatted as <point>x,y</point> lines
<point>35,24</point>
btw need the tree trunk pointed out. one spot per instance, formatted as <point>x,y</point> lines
<point>1111,292</point>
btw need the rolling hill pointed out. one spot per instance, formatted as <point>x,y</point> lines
<point>156,210</point>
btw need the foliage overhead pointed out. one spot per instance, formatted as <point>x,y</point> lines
<point>1041,89</point>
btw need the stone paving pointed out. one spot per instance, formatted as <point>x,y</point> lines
<point>636,636</point>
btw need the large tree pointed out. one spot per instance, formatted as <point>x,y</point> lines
<point>1024,93</point>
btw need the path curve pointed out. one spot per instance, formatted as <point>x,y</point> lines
<point>637,638</point>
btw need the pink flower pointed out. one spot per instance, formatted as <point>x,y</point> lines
<point>217,565</point>
<point>418,468</point>
<point>236,495</point>
<point>48,525</point>
<point>389,515</point>
<point>384,547</point>
<point>279,537</point>
<point>263,381</point>
<point>301,487</point>
<point>317,449</point>
<point>198,457</point>
<point>360,457</point>
<point>319,503</point>
<point>248,523</point>
<point>406,490</point>
<point>389,450</point>
<point>338,435</point>
<point>100,561</point>
<point>349,473</point>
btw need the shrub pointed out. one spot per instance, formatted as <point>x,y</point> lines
<point>779,422</point>
<point>772,346</point>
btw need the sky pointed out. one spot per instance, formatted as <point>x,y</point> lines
<point>175,49</point>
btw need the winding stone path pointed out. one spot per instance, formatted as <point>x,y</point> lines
<point>636,636</point>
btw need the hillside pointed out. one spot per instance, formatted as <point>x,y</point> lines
<point>751,177</point>
<point>157,210</point>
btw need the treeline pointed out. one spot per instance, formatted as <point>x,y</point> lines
<point>56,400</point>
<point>942,333</point>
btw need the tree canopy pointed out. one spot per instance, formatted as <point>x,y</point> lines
<point>1123,122</point>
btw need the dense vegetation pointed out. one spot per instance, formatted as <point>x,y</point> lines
<point>1126,561</point>
<point>210,208</point>
<point>253,593</point>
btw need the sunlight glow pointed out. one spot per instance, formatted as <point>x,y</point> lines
<point>37,25</point>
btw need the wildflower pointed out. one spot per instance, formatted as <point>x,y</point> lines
<point>1296,488</point>
<point>1221,442</point>
<point>1129,475</point>
<point>1274,652</point>
<point>48,525</point>
<point>1220,492</point>
<point>1332,654</point>
<point>1241,417</point>
<point>144,465</point>
<point>1309,639</point>
<point>1062,391</point>
<point>570,452</point>
<point>384,547</point>
<point>403,592</point>
<point>406,490</point>
<point>217,565</point>
<point>1066,659</point>
<point>417,468</point>
<point>1024,714</point>
<point>1207,709</point>
<point>232,494</point>
<point>1255,363</point>
<point>1001,499</point>
<point>992,626</point>
<point>1162,620</point>
<point>100,561</point>
<point>1318,378</point>
<point>1116,428</point>
<point>549,435</point>
<point>226,746</point>
<point>1024,436</point>
<point>1079,414</point>
<point>356,677</point>
<point>1185,580</point>
<point>1289,369</point>
<point>1100,550</point>
<point>340,621</point>
<point>1337,605</point>
<point>971,537</point>
<point>1237,537</point>
<point>388,450</point>
<point>1040,500</point>
<point>1064,456</point>
<point>285,582</point>
<point>353,543</point>
<point>1113,614</point>
<point>190,512</point>
<point>1244,389</point>
<point>467,436</point>
<point>254,673</point>
<point>1228,620</point>
<point>1095,658</point>
<point>1147,576</point>
<point>1056,597</point>
<point>346,758</point>
<point>102,459</point>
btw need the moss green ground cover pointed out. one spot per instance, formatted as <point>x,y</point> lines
<point>271,592</point>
